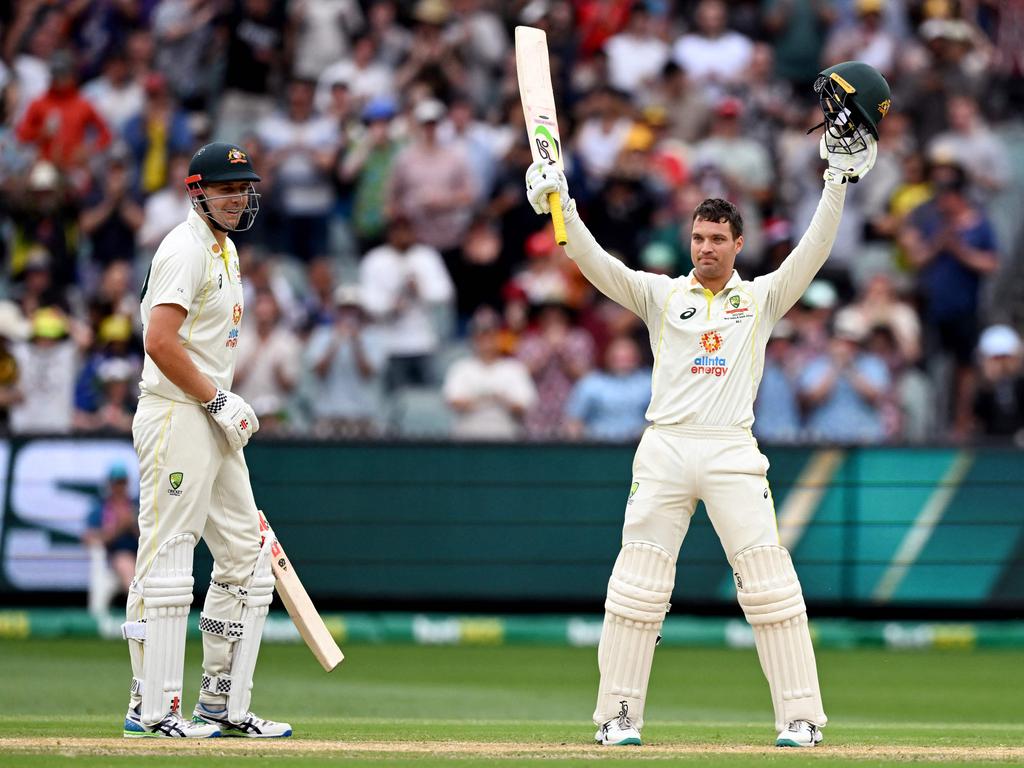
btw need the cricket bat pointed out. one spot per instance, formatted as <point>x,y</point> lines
<point>304,614</point>
<point>538,98</point>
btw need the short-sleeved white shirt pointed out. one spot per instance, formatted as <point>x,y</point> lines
<point>191,270</point>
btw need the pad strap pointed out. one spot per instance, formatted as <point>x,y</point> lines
<point>219,684</point>
<point>134,630</point>
<point>232,630</point>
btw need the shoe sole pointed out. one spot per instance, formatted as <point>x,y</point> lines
<point>791,743</point>
<point>230,735</point>
<point>624,743</point>
<point>135,735</point>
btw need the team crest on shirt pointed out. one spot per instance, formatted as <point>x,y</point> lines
<point>736,309</point>
<point>175,479</point>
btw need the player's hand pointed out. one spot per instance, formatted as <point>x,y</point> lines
<point>842,166</point>
<point>543,179</point>
<point>235,416</point>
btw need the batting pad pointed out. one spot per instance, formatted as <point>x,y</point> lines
<point>638,599</point>
<point>769,593</point>
<point>157,642</point>
<point>232,625</point>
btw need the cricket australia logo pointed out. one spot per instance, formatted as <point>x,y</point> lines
<point>710,364</point>
<point>883,107</point>
<point>235,155</point>
<point>175,479</point>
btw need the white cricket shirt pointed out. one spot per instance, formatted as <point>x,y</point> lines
<point>191,270</point>
<point>709,348</point>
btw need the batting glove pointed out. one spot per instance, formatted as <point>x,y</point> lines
<point>843,167</point>
<point>234,416</point>
<point>543,179</point>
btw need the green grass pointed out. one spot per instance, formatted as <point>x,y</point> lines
<point>531,701</point>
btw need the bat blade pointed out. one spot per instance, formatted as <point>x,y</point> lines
<point>538,97</point>
<point>299,605</point>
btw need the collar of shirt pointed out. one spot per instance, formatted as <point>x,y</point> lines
<point>695,285</point>
<point>205,234</point>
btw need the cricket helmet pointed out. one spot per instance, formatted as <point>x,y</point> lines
<point>854,98</point>
<point>222,162</point>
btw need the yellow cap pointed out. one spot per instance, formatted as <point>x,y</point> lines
<point>48,323</point>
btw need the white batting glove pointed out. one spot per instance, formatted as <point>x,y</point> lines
<point>235,416</point>
<point>543,179</point>
<point>843,167</point>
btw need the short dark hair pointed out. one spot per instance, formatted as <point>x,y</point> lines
<point>721,211</point>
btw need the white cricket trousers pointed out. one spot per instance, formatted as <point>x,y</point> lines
<point>192,481</point>
<point>674,466</point>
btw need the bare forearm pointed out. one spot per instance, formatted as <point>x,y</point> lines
<point>174,363</point>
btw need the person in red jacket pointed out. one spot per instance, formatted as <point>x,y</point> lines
<point>62,123</point>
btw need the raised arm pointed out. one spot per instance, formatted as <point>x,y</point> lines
<point>610,276</point>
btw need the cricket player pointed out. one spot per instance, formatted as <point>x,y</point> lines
<point>189,432</point>
<point>708,332</point>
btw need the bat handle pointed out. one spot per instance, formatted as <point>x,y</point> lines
<point>557,218</point>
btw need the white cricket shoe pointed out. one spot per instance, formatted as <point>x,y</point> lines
<point>251,726</point>
<point>173,726</point>
<point>619,731</point>
<point>799,733</point>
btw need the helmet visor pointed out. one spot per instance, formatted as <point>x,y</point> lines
<point>846,130</point>
<point>226,216</point>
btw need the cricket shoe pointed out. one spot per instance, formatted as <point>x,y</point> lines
<point>251,727</point>
<point>619,731</point>
<point>799,733</point>
<point>173,726</point>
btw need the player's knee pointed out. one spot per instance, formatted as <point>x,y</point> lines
<point>641,583</point>
<point>767,586</point>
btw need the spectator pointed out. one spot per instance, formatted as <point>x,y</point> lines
<point>14,328</point>
<point>868,40</point>
<point>611,404</point>
<point>156,134</point>
<point>777,407</point>
<point>798,30</point>
<point>323,33</point>
<point>62,123</point>
<point>45,221</point>
<point>844,389</point>
<point>602,135</point>
<point>361,74</point>
<point>638,54</point>
<point>712,54</point>
<point>184,36</point>
<point>167,207</point>
<point>999,400</point>
<point>489,394</point>
<point>405,286</point>
<point>267,366</point>
<point>118,394</point>
<point>686,106</point>
<point>113,342</point>
<point>951,244</point>
<point>432,185</point>
<point>112,213</point>
<point>557,356</point>
<point>301,151</point>
<point>116,94</point>
<point>347,362</point>
<point>47,363</point>
<point>972,145</point>
<point>113,526</point>
<point>880,305</point>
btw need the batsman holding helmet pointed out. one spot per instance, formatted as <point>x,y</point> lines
<point>189,432</point>
<point>708,332</point>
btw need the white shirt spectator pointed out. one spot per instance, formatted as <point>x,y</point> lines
<point>47,381</point>
<point>305,189</point>
<point>488,384</point>
<point>384,278</point>
<point>324,29</point>
<point>163,211</point>
<point>713,61</point>
<point>343,393</point>
<point>115,104</point>
<point>634,60</point>
<point>264,363</point>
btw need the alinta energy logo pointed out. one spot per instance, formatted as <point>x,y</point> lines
<point>710,364</point>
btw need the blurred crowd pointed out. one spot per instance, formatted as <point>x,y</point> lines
<point>397,282</point>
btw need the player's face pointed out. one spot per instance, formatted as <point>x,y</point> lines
<point>227,201</point>
<point>713,250</point>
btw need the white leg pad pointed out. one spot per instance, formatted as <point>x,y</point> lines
<point>769,593</point>
<point>232,624</point>
<point>157,643</point>
<point>638,599</point>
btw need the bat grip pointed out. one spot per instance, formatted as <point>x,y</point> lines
<point>557,217</point>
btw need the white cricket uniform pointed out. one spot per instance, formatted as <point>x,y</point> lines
<point>708,360</point>
<point>191,480</point>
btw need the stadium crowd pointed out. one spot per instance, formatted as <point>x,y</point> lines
<point>397,281</point>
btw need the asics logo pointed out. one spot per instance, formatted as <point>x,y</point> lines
<point>688,313</point>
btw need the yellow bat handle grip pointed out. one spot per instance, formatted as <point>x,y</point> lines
<point>555,201</point>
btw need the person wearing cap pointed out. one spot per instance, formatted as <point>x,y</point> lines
<point>47,363</point>
<point>113,525</point>
<point>366,164</point>
<point>346,360</point>
<point>998,405</point>
<point>432,184</point>
<point>844,390</point>
<point>189,432</point>
<point>708,331</point>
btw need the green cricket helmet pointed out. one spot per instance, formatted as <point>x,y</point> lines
<point>222,162</point>
<point>854,97</point>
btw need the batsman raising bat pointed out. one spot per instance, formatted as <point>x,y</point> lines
<point>189,431</point>
<point>708,331</point>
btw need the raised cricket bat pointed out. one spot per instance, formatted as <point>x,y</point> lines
<point>300,607</point>
<point>538,97</point>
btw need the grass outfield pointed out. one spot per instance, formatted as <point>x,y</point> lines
<point>474,706</point>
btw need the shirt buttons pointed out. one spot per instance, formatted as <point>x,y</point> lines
<point>216,248</point>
